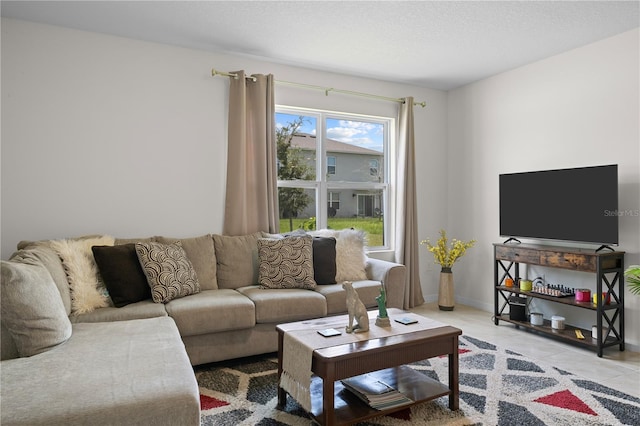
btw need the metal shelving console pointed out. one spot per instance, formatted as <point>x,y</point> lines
<point>608,268</point>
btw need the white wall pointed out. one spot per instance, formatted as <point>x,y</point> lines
<point>103,134</point>
<point>580,108</point>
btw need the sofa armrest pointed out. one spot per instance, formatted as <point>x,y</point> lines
<point>392,276</point>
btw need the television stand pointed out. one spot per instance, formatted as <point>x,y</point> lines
<point>603,247</point>
<point>608,268</point>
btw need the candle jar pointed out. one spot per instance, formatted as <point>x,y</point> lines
<point>557,322</point>
<point>526,285</point>
<point>536,318</point>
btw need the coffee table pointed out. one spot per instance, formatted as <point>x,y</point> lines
<point>383,357</point>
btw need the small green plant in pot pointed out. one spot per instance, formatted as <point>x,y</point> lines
<point>632,273</point>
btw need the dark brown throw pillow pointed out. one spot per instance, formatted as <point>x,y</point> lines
<point>324,260</point>
<point>122,274</point>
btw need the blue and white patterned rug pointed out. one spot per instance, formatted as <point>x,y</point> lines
<point>497,387</point>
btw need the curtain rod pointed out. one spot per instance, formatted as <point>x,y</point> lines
<point>326,90</point>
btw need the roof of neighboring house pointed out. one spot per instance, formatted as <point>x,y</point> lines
<point>307,141</point>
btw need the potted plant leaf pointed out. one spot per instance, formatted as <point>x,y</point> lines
<point>632,273</point>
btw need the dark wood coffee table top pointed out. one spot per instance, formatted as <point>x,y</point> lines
<point>386,356</point>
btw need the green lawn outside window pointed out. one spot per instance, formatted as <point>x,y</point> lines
<point>372,226</point>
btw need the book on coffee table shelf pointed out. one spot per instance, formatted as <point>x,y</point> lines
<point>375,393</point>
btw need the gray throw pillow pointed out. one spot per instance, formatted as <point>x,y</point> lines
<point>201,253</point>
<point>32,310</point>
<point>237,259</point>
<point>169,272</point>
<point>286,262</point>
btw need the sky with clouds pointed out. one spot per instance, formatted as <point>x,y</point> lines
<point>359,133</point>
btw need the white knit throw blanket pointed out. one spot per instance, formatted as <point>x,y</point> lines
<point>298,347</point>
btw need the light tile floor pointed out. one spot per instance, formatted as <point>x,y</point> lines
<point>618,370</point>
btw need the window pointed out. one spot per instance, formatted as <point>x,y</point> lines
<point>355,195</point>
<point>331,165</point>
<point>334,200</point>
<point>373,167</point>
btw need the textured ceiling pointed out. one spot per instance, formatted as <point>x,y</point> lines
<point>437,44</point>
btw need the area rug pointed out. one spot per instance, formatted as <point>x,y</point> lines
<point>497,387</point>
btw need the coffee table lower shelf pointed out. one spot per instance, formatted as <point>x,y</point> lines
<point>350,409</point>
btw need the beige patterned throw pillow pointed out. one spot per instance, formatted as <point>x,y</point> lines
<point>286,262</point>
<point>169,271</point>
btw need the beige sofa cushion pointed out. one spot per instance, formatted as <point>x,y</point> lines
<point>120,241</point>
<point>8,349</point>
<point>31,308</point>
<point>46,256</point>
<point>201,253</point>
<point>237,259</point>
<point>112,373</point>
<point>212,311</point>
<point>285,305</point>
<point>137,310</point>
<point>27,243</point>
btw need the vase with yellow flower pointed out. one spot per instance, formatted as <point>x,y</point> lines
<point>446,254</point>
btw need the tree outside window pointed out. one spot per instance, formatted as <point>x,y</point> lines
<point>292,166</point>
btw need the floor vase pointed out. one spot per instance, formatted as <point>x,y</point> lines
<point>446,300</point>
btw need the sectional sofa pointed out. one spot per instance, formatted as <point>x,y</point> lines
<point>98,330</point>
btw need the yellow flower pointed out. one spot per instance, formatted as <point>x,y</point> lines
<point>446,256</point>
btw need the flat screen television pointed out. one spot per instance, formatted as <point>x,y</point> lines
<point>577,205</point>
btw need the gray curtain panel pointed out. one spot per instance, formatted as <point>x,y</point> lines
<point>251,202</point>
<point>407,242</point>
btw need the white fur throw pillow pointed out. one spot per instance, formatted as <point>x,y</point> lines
<point>88,292</point>
<point>350,256</point>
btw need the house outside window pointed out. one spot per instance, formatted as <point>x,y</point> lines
<point>355,195</point>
